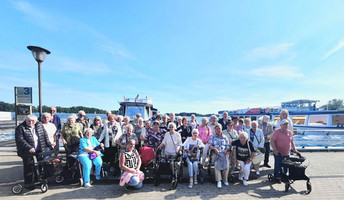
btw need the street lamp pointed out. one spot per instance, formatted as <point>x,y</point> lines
<point>39,54</point>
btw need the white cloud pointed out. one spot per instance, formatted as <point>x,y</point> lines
<point>334,50</point>
<point>270,52</point>
<point>284,72</point>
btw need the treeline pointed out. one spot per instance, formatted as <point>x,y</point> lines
<point>75,109</point>
<point>189,114</point>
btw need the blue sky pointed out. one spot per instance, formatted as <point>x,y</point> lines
<point>191,56</point>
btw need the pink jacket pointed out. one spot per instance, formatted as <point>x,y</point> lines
<point>204,133</point>
<point>126,176</point>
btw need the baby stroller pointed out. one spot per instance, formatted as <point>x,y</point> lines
<point>164,165</point>
<point>295,171</point>
<point>45,165</point>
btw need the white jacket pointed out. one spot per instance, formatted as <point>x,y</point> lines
<point>105,134</point>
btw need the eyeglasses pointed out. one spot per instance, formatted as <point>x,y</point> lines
<point>97,120</point>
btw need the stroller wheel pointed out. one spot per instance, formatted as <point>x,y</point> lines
<point>17,189</point>
<point>44,187</point>
<point>309,187</point>
<point>287,186</point>
<point>81,182</point>
<point>59,179</point>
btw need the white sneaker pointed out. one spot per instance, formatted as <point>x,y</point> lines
<point>244,182</point>
<point>226,183</point>
<point>258,173</point>
<point>190,185</point>
<point>219,184</point>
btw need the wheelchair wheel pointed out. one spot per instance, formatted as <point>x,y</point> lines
<point>44,188</point>
<point>17,189</point>
<point>59,178</point>
<point>309,187</point>
<point>286,187</point>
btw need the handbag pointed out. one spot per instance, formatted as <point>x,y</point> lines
<point>193,158</point>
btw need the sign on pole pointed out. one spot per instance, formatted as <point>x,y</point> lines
<point>24,94</point>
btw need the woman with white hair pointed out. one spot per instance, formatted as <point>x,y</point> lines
<point>125,137</point>
<point>49,127</point>
<point>247,124</point>
<point>193,122</point>
<point>284,114</point>
<point>245,151</point>
<point>204,135</point>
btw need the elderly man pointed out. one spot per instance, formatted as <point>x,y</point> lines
<point>281,142</point>
<point>225,120</point>
<point>267,129</point>
<point>83,120</point>
<point>30,137</point>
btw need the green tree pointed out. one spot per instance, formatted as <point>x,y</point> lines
<point>334,104</point>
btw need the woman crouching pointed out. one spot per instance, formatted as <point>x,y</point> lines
<point>130,163</point>
<point>88,155</point>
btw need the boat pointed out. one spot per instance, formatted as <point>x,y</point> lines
<point>307,119</point>
<point>131,106</point>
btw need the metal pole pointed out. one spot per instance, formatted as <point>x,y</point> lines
<point>39,90</point>
<point>15,105</point>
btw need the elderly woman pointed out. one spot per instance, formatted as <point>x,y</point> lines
<point>138,130</point>
<point>219,143</point>
<point>247,126</point>
<point>284,114</point>
<point>204,135</point>
<point>257,137</point>
<point>49,127</point>
<point>71,134</point>
<point>212,123</point>
<point>88,155</point>
<point>193,122</point>
<point>97,127</point>
<point>154,136</point>
<point>232,135</point>
<point>145,130</point>
<point>164,124</point>
<point>185,129</point>
<point>130,163</point>
<point>112,131</point>
<point>125,137</point>
<point>245,151</point>
<point>191,146</point>
<point>172,143</point>
<point>125,124</point>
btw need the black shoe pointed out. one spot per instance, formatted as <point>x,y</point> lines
<point>266,165</point>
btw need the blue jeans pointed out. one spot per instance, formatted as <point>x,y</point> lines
<point>135,182</point>
<point>192,167</point>
<point>278,170</point>
<point>87,166</point>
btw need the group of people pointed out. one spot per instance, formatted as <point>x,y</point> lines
<point>234,143</point>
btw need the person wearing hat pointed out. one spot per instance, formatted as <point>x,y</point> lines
<point>281,142</point>
<point>267,129</point>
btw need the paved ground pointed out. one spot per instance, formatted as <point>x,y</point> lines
<point>325,170</point>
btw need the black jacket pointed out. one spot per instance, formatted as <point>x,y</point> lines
<point>224,126</point>
<point>25,141</point>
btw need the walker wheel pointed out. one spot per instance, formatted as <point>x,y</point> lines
<point>59,179</point>
<point>270,177</point>
<point>17,189</point>
<point>44,188</point>
<point>309,187</point>
<point>105,174</point>
<point>287,186</point>
<point>231,178</point>
<point>81,182</point>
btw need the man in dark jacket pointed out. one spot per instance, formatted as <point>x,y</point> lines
<point>224,120</point>
<point>31,138</point>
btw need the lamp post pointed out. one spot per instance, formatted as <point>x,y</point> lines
<point>39,54</point>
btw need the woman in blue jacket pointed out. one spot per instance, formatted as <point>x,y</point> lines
<point>88,155</point>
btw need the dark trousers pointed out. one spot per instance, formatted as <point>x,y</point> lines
<point>279,170</point>
<point>267,152</point>
<point>29,169</point>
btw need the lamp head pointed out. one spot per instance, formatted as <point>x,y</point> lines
<point>38,53</point>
